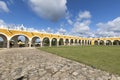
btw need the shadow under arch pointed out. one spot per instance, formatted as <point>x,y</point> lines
<point>80,42</point>
<point>71,41</point>
<point>75,41</point>
<point>19,40</point>
<point>96,42</point>
<point>61,41</point>
<point>3,40</point>
<point>101,42</point>
<point>46,41</point>
<point>83,42</point>
<point>35,41</point>
<point>108,42</point>
<point>66,41</point>
<point>54,42</point>
<point>90,42</point>
<point>116,42</point>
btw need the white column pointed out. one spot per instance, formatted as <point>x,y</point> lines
<point>30,43</point>
<point>104,42</point>
<point>73,41</point>
<point>57,42</point>
<point>8,44</point>
<point>41,44</point>
<point>84,42</point>
<point>81,42</point>
<point>50,43</point>
<point>69,42</point>
<point>88,42</point>
<point>64,42</point>
<point>98,42</point>
<point>112,42</point>
<point>77,42</point>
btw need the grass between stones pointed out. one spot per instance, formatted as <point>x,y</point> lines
<point>102,57</point>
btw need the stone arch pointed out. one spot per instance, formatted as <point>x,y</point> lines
<point>46,41</point>
<point>71,41</point>
<point>83,42</point>
<point>3,40</point>
<point>75,41</point>
<point>54,42</point>
<point>5,35</point>
<point>16,42</point>
<point>67,41</point>
<point>90,42</point>
<point>35,41</point>
<point>116,42</point>
<point>108,42</point>
<point>61,41</point>
<point>20,34</point>
<point>96,42</point>
<point>101,42</point>
<point>79,41</point>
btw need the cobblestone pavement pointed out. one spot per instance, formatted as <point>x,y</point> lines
<point>33,64</point>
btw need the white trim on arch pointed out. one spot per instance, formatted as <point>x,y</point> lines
<point>46,37</point>
<point>5,35</point>
<point>36,36</point>
<point>20,35</point>
<point>54,38</point>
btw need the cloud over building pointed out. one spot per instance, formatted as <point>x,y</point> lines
<point>49,9</point>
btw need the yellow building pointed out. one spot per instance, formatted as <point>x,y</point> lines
<point>10,39</point>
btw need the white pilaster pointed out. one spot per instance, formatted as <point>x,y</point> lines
<point>41,44</point>
<point>8,44</point>
<point>30,43</point>
<point>50,43</point>
<point>105,42</point>
<point>57,42</point>
<point>112,42</point>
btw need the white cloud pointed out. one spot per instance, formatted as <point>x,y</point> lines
<point>68,15</point>
<point>49,30</point>
<point>70,21</point>
<point>81,24</point>
<point>16,27</point>
<point>109,29</point>
<point>61,31</point>
<point>2,24</point>
<point>3,7</point>
<point>49,9</point>
<point>43,31</point>
<point>81,27</point>
<point>84,15</point>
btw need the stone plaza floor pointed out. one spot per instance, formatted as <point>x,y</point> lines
<point>34,64</point>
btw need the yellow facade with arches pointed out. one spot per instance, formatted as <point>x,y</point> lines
<point>10,37</point>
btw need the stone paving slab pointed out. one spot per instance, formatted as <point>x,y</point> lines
<point>34,64</point>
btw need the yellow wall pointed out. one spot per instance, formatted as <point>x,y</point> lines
<point>10,33</point>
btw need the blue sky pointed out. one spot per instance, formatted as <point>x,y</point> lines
<point>87,18</point>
